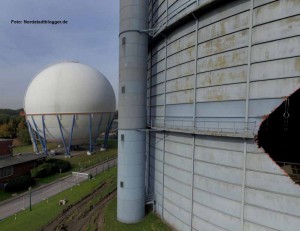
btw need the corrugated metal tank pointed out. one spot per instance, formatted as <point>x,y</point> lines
<point>215,69</point>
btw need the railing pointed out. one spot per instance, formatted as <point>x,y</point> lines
<point>215,127</point>
<point>292,169</point>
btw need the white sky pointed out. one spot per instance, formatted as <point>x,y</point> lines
<point>90,37</point>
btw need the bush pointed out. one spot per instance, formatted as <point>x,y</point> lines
<point>42,170</point>
<point>19,183</point>
<point>51,166</point>
<point>59,164</point>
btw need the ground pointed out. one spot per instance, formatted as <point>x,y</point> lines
<point>84,215</point>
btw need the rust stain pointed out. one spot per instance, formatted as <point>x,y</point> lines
<point>297,64</point>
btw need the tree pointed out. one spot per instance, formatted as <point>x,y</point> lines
<point>24,136</point>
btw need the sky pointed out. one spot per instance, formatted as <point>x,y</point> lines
<point>90,36</point>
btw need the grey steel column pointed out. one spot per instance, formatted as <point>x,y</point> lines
<point>132,110</point>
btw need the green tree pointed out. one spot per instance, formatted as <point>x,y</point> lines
<point>23,136</point>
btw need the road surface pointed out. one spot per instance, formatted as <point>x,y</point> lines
<point>13,205</point>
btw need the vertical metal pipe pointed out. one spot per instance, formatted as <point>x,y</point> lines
<point>44,132</point>
<point>165,82</point>
<point>62,135</point>
<point>132,110</point>
<point>71,133</point>
<point>35,147</point>
<point>196,70</point>
<point>38,134</point>
<point>90,132</point>
<point>247,111</point>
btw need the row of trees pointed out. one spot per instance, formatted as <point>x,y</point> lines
<point>12,125</point>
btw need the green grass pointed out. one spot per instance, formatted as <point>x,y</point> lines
<point>42,213</point>
<point>4,195</point>
<point>29,149</point>
<point>150,223</point>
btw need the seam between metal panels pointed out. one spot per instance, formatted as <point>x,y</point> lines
<point>277,59</point>
<point>223,68</point>
<point>217,210</point>
<point>276,20</point>
<point>214,179</point>
<point>223,35</point>
<point>178,206</point>
<point>177,180</point>
<point>273,210</point>
<point>222,52</point>
<point>179,194</point>
<point>173,215</point>
<point>220,165</point>
<point>217,195</point>
<point>252,222</point>
<point>209,222</point>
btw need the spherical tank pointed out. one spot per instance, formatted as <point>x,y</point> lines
<point>67,97</point>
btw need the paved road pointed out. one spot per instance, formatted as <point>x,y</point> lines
<point>13,205</point>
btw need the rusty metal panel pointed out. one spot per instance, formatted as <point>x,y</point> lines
<point>276,30</point>
<point>229,25</point>
<point>274,88</point>
<point>222,93</point>
<point>276,10</point>
<point>279,49</point>
<point>181,57</point>
<point>179,97</point>
<point>225,43</point>
<point>181,70</point>
<point>224,76</point>
<point>181,32</point>
<point>223,60</point>
<point>178,9</point>
<point>277,69</point>
<point>180,84</point>
<point>257,3</point>
<point>226,11</point>
<point>181,44</point>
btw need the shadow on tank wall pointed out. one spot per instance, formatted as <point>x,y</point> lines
<point>279,136</point>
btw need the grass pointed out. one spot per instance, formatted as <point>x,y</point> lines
<point>42,213</point>
<point>150,223</point>
<point>78,163</point>
<point>29,149</point>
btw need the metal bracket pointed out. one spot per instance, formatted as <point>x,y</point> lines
<point>151,31</point>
